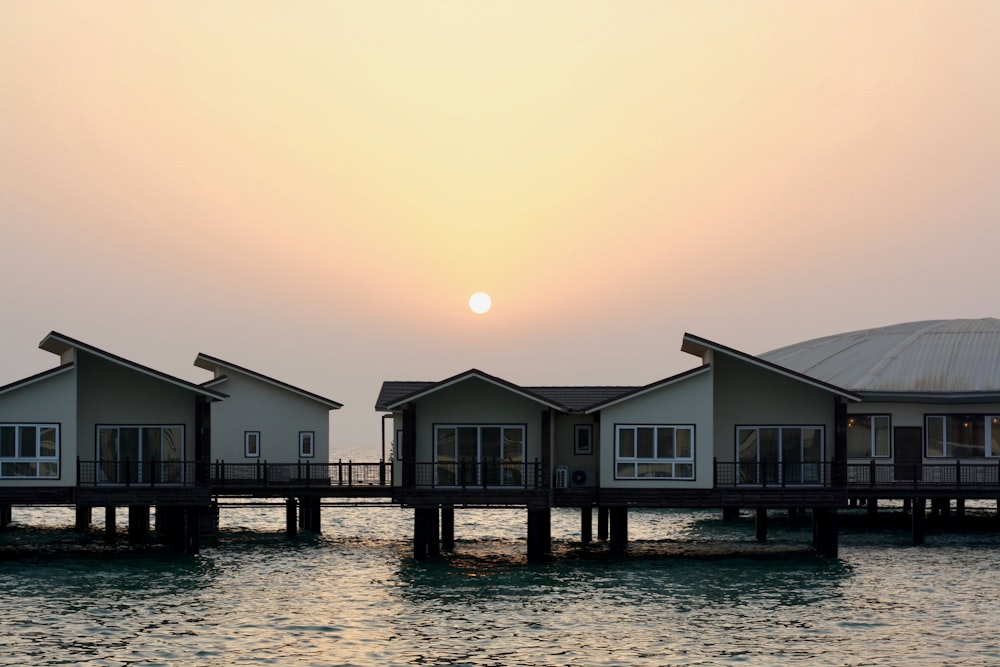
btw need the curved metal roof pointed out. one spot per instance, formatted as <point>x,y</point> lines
<point>932,356</point>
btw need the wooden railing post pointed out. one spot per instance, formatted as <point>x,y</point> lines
<point>350,473</point>
<point>871,473</point>
<point>381,472</point>
<point>958,473</point>
<point>340,472</point>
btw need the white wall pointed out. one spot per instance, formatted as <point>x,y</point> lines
<point>48,401</point>
<point>688,401</point>
<point>279,415</point>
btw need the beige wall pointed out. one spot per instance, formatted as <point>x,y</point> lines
<point>688,401</point>
<point>112,394</point>
<point>48,401</point>
<point>277,413</point>
<point>748,395</point>
<point>475,401</point>
<point>564,441</point>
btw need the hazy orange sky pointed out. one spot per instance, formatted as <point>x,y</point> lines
<point>314,189</point>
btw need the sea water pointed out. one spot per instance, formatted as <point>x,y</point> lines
<point>693,590</point>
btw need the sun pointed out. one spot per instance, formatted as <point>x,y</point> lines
<point>480,302</point>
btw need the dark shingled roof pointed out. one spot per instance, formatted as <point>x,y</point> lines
<point>580,398</point>
<point>392,391</point>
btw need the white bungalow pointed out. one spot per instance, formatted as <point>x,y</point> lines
<point>264,418</point>
<point>930,394</point>
<point>109,419</point>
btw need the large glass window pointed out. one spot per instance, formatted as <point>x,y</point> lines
<point>655,451</point>
<point>490,455</point>
<point>868,436</point>
<point>963,436</point>
<point>29,450</point>
<point>780,454</point>
<point>134,454</point>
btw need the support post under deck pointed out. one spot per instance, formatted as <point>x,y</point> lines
<point>448,528</point>
<point>602,522</point>
<point>760,524</point>
<point>619,530</point>
<point>586,525</point>
<point>291,527</point>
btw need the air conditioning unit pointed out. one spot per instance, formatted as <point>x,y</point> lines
<point>583,477</point>
<point>562,477</point>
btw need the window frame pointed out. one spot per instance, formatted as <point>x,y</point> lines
<point>310,437</point>
<point>19,460</point>
<point>170,471</point>
<point>583,448</point>
<point>511,472</point>
<point>815,476</point>
<point>251,438</point>
<point>872,444</point>
<point>990,422</point>
<point>635,460</point>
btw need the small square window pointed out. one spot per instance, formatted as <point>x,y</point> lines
<point>307,448</point>
<point>251,444</point>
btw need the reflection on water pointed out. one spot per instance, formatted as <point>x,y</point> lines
<point>693,591</point>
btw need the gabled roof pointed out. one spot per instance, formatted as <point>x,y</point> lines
<point>57,343</point>
<point>950,359</point>
<point>652,386</point>
<point>37,377</point>
<point>213,364</point>
<point>419,390</point>
<point>698,346</point>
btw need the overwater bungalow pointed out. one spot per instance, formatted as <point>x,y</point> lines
<point>910,411</point>
<point>99,430</point>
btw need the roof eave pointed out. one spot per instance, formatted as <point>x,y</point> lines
<point>697,345</point>
<point>58,343</point>
<point>469,374</point>
<point>212,364</point>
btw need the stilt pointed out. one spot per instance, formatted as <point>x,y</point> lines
<point>433,532</point>
<point>304,510</point>
<point>138,523</point>
<point>419,533</point>
<point>619,530</point>
<point>946,507</point>
<point>291,527</point>
<point>960,507</point>
<point>448,528</point>
<point>817,526</point>
<point>872,506</point>
<point>539,534</point>
<point>602,522</point>
<point>918,520</point>
<point>831,541</point>
<point>6,515</point>
<point>760,524</point>
<point>110,524</point>
<point>907,505</point>
<point>314,523</point>
<point>84,516</point>
<point>192,531</point>
<point>794,515</point>
<point>730,513</point>
<point>586,525</point>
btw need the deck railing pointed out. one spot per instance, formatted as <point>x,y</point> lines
<point>773,474</point>
<point>135,473</point>
<point>920,475</point>
<point>487,474</point>
<point>307,473</point>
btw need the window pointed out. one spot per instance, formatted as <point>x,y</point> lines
<point>963,436</point>
<point>779,454</point>
<point>643,452</point>
<point>129,454</point>
<point>307,448</point>
<point>583,439</point>
<point>868,436</point>
<point>29,450</point>
<point>491,455</point>
<point>398,444</point>
<point>251,444</point>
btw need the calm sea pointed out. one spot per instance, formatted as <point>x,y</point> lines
<point>692,591</point>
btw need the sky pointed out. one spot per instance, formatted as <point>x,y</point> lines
<point>314,189</point>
